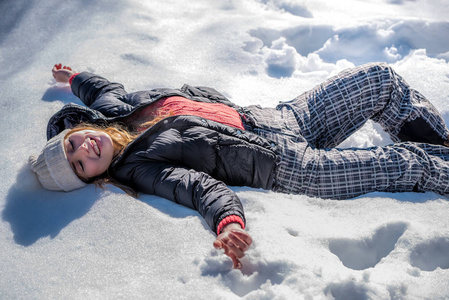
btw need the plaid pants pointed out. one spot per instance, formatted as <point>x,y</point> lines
<point>306,128</point>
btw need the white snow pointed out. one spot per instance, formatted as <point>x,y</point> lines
<point>93,244</point>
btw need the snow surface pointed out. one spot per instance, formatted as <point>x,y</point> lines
<point>93,244</point>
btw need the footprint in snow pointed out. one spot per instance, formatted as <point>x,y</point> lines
<point>366,253</point>
<point>431,255</point>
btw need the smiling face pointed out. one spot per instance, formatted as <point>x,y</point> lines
<point>89,152</point>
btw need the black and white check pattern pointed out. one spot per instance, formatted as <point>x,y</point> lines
<point>307,127</point>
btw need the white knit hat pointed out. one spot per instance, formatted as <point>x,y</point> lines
<point>52,167</point>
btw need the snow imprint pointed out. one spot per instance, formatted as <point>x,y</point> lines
<point>368,252</point>
<point>430,255</point>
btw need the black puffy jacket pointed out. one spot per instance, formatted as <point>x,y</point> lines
<point>186,159</point>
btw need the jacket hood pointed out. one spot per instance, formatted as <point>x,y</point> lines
<point>71,115</point>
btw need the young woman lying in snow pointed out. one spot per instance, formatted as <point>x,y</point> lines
<point>187,145</point>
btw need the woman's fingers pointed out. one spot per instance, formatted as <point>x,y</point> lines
<point>61,73</point>
<point>241,241</point>
<point>235,242</point>
<point>238,252</point>
<point>230,249</point>
<point>236,262</point>
<point>218,244</point>
<point>243,235</point>
<point>232,245</point>
<point>59,67</point>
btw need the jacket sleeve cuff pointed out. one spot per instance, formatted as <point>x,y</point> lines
<point>72,77</point>
<point>228,220</point>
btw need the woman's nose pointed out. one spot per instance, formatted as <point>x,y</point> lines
<point>84,146</point>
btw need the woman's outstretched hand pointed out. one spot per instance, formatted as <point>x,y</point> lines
<point>61,73</point>
<point>234,241</point>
